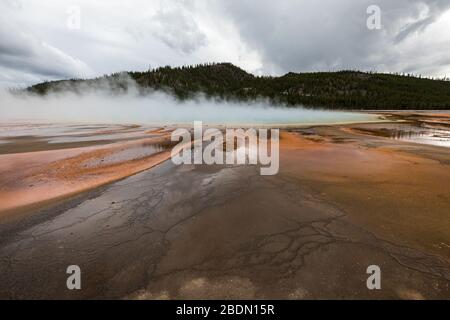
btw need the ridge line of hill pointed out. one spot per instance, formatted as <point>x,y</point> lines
<point>334,90</point>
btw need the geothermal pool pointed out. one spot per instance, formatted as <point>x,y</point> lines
<point>162,109</point>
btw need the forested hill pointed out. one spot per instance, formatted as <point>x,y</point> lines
<point>335,90</point>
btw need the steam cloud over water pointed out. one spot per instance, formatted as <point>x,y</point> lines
<point>100,106</point>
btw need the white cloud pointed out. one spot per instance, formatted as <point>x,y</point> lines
<point>24,56</point>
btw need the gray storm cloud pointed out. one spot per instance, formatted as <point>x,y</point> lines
<point>328,34</point>
<point>261,36</point>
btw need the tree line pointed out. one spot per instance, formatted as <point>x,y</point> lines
<point>349,89</point>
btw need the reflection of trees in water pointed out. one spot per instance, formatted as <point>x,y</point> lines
<point>421,135</point>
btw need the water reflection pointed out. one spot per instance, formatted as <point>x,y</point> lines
<point>138,152</point>
<point>438,137</point>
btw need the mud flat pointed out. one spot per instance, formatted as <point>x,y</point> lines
<point>344,199</point>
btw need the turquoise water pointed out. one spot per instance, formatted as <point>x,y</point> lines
<point>273,116</point>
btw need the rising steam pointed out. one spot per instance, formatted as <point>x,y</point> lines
<point>102,104</point>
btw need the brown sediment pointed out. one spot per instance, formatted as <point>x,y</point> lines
<point>125,128</point>
<point>79,136</point>
<point>340,203</point>
<point>154,131</point>
<point>418,117</point>
<point>33,178</point>
<point>33,144</point>
<point>399,193</point>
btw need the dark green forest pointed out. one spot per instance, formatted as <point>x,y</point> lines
<point>333,90</point>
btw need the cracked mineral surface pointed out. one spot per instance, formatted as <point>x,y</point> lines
<point>342,201</point>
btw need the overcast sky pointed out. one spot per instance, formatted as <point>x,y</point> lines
<point>57,39</point>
